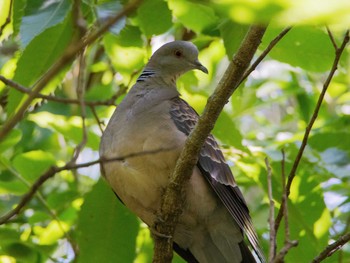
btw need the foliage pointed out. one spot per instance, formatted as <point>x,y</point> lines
<point>74,215</point>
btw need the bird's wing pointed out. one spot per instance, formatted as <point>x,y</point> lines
<point>214,168</point>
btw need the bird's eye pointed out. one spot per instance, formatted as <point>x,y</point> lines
<point>178,53</point>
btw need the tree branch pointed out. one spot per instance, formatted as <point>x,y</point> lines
<point>20,88</point>
<point>271,45</point>
<point>287,246</point>
<point>272,252</point>
<point>172,201</point>
<point>73,49</point>
<point>332,248</point>
<point>68,166</point>
<point>338,53</point>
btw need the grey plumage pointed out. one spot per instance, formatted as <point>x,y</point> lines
<point>153,116</point>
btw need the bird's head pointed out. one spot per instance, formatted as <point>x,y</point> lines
<point>176,58</point>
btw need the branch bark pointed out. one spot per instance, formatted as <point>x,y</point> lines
<point>292,173</point>
<point>330,249</point>
<point>172,201</point>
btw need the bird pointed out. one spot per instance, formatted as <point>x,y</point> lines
<point>153,116</point>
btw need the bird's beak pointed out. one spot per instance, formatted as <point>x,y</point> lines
<point>199,66</point>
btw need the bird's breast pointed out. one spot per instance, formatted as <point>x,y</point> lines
<point>154,143</point>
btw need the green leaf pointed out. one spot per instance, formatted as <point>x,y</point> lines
<point>126,60</point>
<point>10,140</point>
<point>38,56</point>
<point>106,229</point>
<point>305,47</point>
<point>154,17</point>
<point>21,252</point>
<point>70,127</point>
<point>309,218</point>
<point>36,23</point>
<point>8,235</point>
<point>323,141</point>
<point>18,12</point>
<point>5,8</point>
<point>225,130</point>
<point>13,187</point>
<point>232,34</point>
<point>130,36</point>
<point>195,16</point>
<point>33,164</point>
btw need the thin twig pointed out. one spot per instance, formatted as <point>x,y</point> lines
<point>78,20</point>
<point>346,229</point>
<point>272,252</point>
<point>8,19</point>
<point>99,123</point>
<point>69,54</point>
<point>68,166</point>
<point>332,248</point>
<point>330,34</point>
<point>23,89</point>
<point>81,94</point>
<point>287,246</point>
<point>285,199</point>
<point>271,45</point>
<point>338,53</point>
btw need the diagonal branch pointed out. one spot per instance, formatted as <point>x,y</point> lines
<point>172,201</point>
<point>271,45</point>
<point>332,248</point>
<point>20,88</point>
<point>338,53</point>
<point>68,166</point>
<point>70,53</point>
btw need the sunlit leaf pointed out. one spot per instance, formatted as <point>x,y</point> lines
<point>305,47</point>
<point>39,55</point>
<point>154,17</point>
<point>229,29</point>
<point>190,13</point>
<point>33,164</point>
<point>125,59</point>
<point>49,16</point>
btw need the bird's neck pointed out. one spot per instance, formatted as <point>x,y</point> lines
<point>150,74</point>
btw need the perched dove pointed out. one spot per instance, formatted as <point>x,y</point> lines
<point>152,116</point>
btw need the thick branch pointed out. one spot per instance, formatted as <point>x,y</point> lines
<point>70,53</point>
<point>338,53</point>
<point>172,205</point>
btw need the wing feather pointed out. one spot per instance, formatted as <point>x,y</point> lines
<point>214,168</point>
